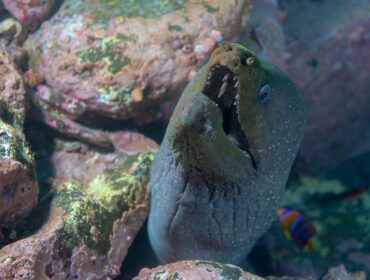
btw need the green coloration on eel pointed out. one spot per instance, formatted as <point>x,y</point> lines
<point>221,170</point>
<point>91,211</point>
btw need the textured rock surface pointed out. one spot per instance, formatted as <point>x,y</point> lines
<point>342,225</point>
<point>18,188</point>
<point>119,59</point>
<point>329,63</point>
<point>340,273</point>
<point>101,201</point>
<point>196,270</point>
<point>30,12</point>
<point>12,36</point>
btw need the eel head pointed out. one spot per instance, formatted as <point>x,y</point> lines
<point>260,110</point>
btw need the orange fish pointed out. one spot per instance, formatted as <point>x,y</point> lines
<point>297,227</point>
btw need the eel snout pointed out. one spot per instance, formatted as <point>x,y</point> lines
<point>223,88</point>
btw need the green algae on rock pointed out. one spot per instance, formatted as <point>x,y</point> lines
<point>97,206</point>
<point>101,200</point>
<point>101,9</point>
<point>195,269</point>
<point>119,59</point>
<point>18,186</point>
<point>220,173</point>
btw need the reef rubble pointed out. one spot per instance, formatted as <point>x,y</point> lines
<point>99,202</point>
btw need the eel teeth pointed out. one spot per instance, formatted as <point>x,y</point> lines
<point>223,89</point>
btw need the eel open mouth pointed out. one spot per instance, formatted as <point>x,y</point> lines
<point>223,88</point>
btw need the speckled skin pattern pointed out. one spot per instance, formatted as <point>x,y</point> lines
<point>226,156</point>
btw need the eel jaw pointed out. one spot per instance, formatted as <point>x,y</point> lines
<point>223,87</point>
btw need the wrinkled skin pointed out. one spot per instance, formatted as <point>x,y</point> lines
<point>222,167</point>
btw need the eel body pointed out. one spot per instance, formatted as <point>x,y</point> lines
<point>221,170</point>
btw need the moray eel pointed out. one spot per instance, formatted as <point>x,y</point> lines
<point>221,170</point>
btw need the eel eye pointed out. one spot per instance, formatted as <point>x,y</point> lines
<point>264,94</point>
<point>249,61</point>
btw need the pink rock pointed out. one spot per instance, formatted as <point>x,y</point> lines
<point>30,12</point>
<point>194,270</point>
<point>88,232</point>
<point>125,67</point>
<point>18,187</point>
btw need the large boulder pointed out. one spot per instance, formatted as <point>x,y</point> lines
<point>194,270</point>
<point>120,59</point>
<point>100,201</point>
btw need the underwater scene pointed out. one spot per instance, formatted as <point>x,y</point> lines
<point>184,139</point>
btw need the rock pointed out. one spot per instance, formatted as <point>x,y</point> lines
<point>287,278</point>
<point>340,273</point>
<point>335,86</point>
<point>342,223</point>
<point>197,269</point>
<point>30,12</point>
<point>2,9</point>
<point>328,62</point>
<point>12,36</point>
<point>101,201</point>
<point>18,187</point>
<point>264,33</point>
<point>11,30</point>
<point>120,59</point>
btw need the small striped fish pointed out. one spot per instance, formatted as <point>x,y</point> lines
<point>297,227</point>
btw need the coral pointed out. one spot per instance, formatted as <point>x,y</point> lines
<point>96,211</point>
<point>224,161</point>
<point>127,59</point>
